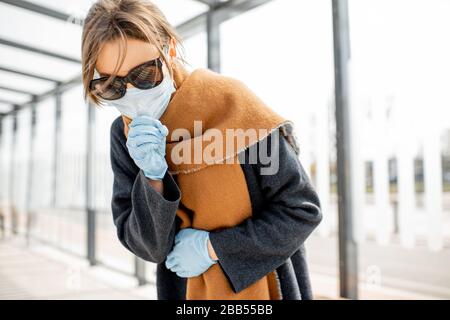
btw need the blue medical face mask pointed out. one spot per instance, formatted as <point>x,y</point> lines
<point>151,102</point>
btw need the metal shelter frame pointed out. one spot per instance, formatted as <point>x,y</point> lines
<point>209,22</point>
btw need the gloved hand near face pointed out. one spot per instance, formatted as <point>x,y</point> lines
<point>190,257</point>
<point>146,144</point>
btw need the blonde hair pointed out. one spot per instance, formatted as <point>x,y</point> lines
<point>110,20</point>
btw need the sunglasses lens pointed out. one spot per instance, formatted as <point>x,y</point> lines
<point>111,92</point>
<point>147,76</point>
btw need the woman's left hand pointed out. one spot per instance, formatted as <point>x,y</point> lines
<point>190,257</point>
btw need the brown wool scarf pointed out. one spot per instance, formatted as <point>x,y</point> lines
<point>214,193</point>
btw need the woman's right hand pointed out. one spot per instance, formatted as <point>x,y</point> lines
<point>146,144</point>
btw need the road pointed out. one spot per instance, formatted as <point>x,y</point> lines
<point>416,270</point>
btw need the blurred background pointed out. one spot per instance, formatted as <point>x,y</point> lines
<point>385,235</point>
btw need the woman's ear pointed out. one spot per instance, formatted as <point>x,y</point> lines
<point>172,48</point>
<point>172,52</point>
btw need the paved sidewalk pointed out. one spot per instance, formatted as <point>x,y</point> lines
<point>43,273</point>
<point>326,287</point>
<point>39,272</point>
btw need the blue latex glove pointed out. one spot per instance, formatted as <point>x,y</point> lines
<point>189,257</point>
<point>146,144</point>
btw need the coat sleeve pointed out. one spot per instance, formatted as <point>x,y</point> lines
<point>291,211</point>
<point>144,218</point>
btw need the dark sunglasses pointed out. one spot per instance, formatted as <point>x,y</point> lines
<point>144,76</point>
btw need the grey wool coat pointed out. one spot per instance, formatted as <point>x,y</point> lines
<point>285,210</point>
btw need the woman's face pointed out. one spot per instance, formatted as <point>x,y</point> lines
<point>138,52</point>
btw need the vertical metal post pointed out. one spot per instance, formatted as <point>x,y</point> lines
<point>348,266</point>
<point>29,220</point>
<point>56,146</point>
<point>139,271</point>
<point>13,210</point>
<point>90,210</point>
<point>213,37</point>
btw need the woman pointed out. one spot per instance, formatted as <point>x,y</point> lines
<point>220,226</point>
